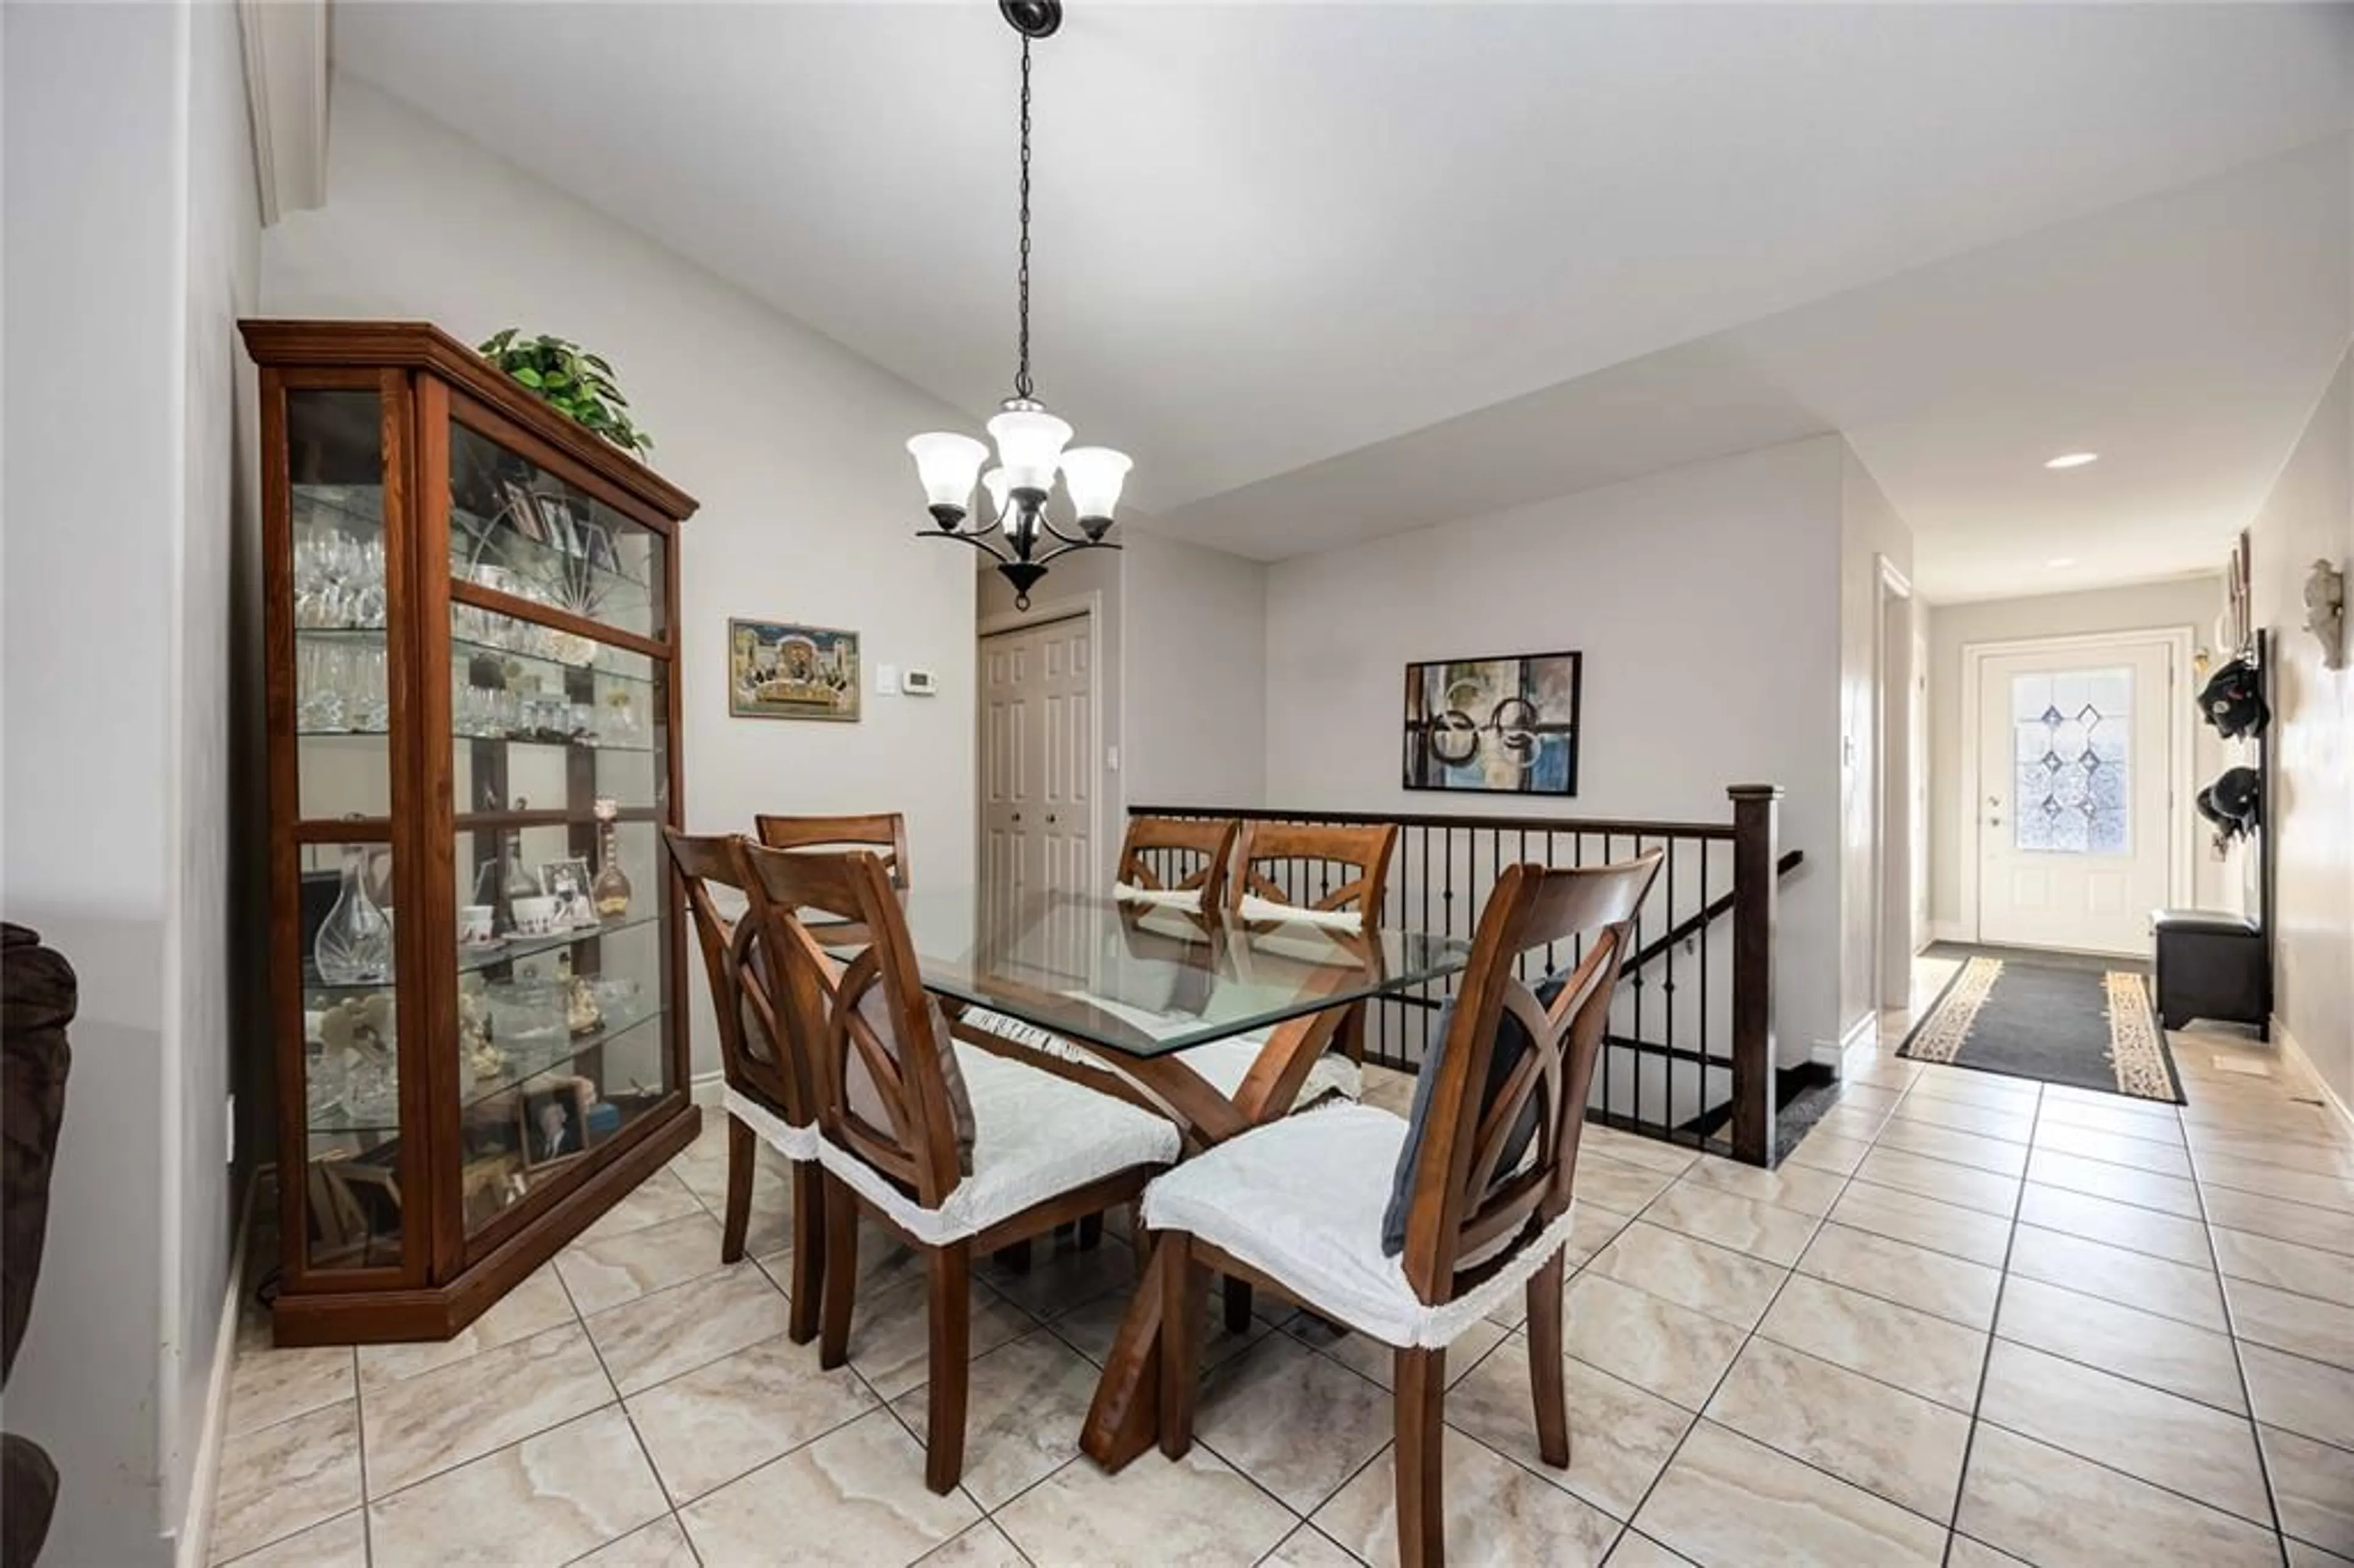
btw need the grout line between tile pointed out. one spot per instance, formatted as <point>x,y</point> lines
<point>1994,1319</point>
<point>635,1436</point>
<point>2239,1365</point>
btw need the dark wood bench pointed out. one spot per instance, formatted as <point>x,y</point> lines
<point>2212,965</point>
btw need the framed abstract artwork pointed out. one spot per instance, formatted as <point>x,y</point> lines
<point>1493,726</point>
<point>780,671</point>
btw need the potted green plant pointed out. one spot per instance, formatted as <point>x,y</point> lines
<point>577,384</point>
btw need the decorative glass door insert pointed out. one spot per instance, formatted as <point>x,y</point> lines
<point>2071,750</point>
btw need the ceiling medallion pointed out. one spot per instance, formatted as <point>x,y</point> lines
<point>1031,442</point>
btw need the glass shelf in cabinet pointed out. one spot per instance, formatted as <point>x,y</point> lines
<point>527,1061</point>
<point>605,664</point>
<point>490,956</point>
<point>522,1064</point>
<point>576,742</point>
<point>340,505</point>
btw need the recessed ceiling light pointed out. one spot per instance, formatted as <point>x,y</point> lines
<point>2061,561</point>
<point>2073,460</point>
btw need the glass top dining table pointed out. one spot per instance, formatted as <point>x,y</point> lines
<point>1143,979</point>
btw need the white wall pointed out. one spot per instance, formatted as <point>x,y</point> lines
<point>129,247</point>
<point>1739,684</point>
<point>792,444</point>
<point>1869,532</point>
<point>2191,602</point>
<point>2309,515</point>
<point>222,506</point>
<point>1197,667</point>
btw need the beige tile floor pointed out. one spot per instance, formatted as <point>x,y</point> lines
<point>1972,1320</point>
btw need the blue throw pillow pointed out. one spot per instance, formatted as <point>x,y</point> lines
<point>1513,1042</point>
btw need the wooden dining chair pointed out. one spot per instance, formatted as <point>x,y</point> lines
<point>1409,1230</point>
<point>1176,862</point>
<point>768,1093</point>
<point>947,1147</point>
<point>1179,861</point>
<point>1351,868</point>
<point>884,832</point>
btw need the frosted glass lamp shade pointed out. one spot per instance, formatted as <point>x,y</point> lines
<point>1029,447</point>
<point>993,482</point>
<point>1094,475</point>
<point>947,464</point>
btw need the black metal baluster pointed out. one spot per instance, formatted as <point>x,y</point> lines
<point>1707,1020</point>
<point>1550,966</point>
<point>1668,981</point>
<point>1608,1075</point>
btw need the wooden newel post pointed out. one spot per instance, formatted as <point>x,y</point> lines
<point>1757,847</point>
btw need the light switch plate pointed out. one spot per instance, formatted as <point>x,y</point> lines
<point>886,680</point>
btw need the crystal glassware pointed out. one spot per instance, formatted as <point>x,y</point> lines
<point>516,883</point>
<point>319,689</point>
<point>610,892</point>
<point>353,945</point>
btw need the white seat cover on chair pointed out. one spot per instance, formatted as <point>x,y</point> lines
<point>1224,1063</point>
<point>1167,897</point>
<point>1301,1200</point>
<point>1255,908</point>
<point>1036,1136</point>
<point>792,1142</point>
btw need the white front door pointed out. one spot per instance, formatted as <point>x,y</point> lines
<point>1037,748</point>
<point>2075,839</point>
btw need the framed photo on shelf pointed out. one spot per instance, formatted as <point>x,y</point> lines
<point>1506,726</point>
<point>566,882</point>
<point>778,670</point>
<point>552,1119</point>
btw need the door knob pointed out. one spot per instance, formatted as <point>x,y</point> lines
<point>1050,819</point>
<point>1017,816</point>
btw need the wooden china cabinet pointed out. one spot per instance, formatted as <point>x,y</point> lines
<point>477,949</point>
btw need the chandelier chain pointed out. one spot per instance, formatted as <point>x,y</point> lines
<point>1021,348</point>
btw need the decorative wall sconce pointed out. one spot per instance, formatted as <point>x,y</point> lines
<point>2325,612</point>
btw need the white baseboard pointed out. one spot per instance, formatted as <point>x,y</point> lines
<point>1861,1036</point>
<point>705,1088</point>
<point>194,1545</point>
<point>2292,1050</point>
<point>1951,931</point>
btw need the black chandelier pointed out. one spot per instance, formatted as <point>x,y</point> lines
<point>1031,442</point>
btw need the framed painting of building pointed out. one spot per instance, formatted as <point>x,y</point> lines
<point>1494,726</point>
<point>776,669</point>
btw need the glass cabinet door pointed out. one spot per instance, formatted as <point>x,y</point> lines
<point>560,765</point>
<point>336,553</point>
<point>516,529</point>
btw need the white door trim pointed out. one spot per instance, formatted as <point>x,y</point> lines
<point>1046,613</point>
<point>1893,940</point>
<point>2176,640</point>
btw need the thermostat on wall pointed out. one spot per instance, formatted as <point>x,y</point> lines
<point>920,684</point>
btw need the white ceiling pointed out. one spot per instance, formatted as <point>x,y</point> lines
<point>2184,337</point>
<point>1272,241</point>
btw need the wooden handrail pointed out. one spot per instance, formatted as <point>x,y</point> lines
<point>1717,831</point>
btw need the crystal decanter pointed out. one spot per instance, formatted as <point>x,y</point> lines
<point>611,891</point>
<point>353,945</point>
